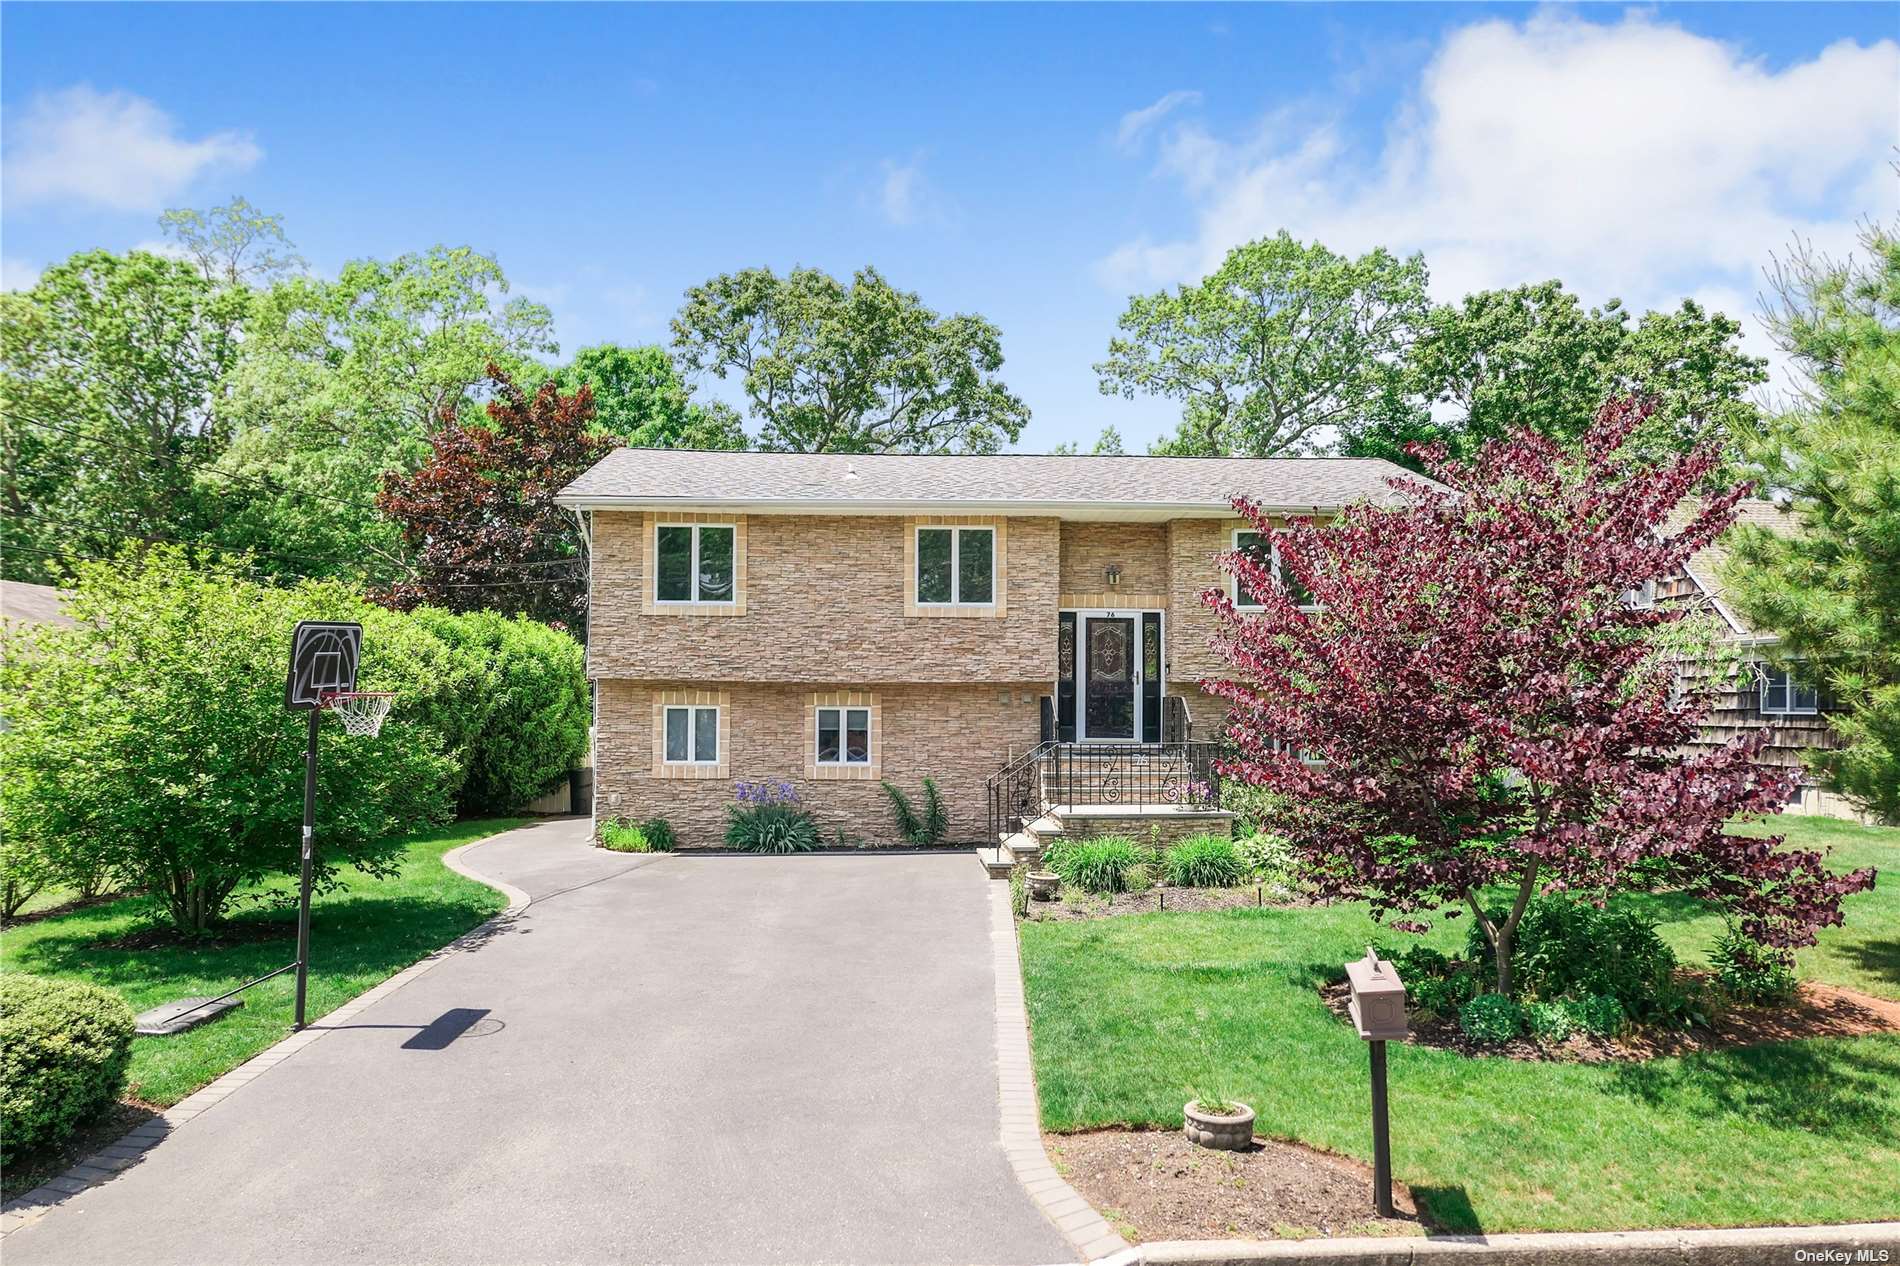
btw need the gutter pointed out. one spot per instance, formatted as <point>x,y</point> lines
<point>1017,508</point>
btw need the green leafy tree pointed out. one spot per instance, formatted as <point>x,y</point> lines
<point>152,739</point>
<point>1109,441</point>
<point>1280,348</point>
<point>859,368</point>
<point>111,373</point>
<point>233,245</point>
<point>1533,357</point>
<point>343,380</point>
<point>640,396</point>
<point>1832,589</point>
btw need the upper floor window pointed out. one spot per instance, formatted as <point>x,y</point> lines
<point>1258,546</point>
<point>1784,694</point>
<point>1641,598</point>
<point>693,562</point>
<point>956,566</point>
<point>692,736</point>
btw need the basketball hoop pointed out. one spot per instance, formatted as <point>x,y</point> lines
<point>361,711</point>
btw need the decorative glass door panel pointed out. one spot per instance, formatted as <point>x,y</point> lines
<point>1110,672</point>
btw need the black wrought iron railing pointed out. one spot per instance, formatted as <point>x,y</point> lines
<point>1124,775</point>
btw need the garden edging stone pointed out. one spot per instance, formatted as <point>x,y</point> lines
<point>25,1209</point>
<point>1728,1246</point>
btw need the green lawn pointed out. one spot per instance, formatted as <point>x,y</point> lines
<point>362,933</point>
<point>1133,1015</point>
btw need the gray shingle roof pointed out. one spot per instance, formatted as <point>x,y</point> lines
<point>1707,564</point>
<point>33,604</point>
<point>685,477</point>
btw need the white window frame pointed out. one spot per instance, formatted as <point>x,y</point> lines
<point>692,711</point>
<point>956,531</point>
<point>844,732</point>
<point>1243,601</point>
<point>1642,597</point>
<point>1790,683</point>
<point>695,600</point>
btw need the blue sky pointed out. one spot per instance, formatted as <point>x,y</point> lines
<point>1034,164</point>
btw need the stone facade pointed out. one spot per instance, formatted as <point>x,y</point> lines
<point>825,615</point>
<point>957,735</point>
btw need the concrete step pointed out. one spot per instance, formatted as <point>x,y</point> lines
<point>1023,847</point>
<point>997,861</point>
<point>1044,829</point>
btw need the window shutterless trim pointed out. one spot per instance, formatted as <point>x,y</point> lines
<point>843,759</point>
<point>692,711</point>
<point>956,532</point>
<point>693,574</point>
<point>1790,686</point>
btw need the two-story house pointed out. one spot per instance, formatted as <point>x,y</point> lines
<point>1026,630</point>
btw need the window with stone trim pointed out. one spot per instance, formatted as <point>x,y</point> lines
<point>843,736</point>
<point>694,563</point>
<point>691,735</point>
<point>956,566</point>
<point>1256,545</point>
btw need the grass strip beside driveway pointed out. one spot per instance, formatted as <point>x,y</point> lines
<point>363,931</point>
<point>1131,1016</point>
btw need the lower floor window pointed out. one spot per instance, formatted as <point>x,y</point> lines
<point>844,736</point>
<point>692,736</point>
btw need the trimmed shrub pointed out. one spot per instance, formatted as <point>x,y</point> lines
<point>769,819</point>
<point>1100,865</point>
<point>660,836</point>
<point>1549,1021</point>
<point>1598,1014</point>
<point>1749,971</point>
<point>1205,861</point>
<point>1567,949</point>
<point>624,837</point>
<point>64,1047</point>
<point>925,829</point>
<point>1491,1018</point>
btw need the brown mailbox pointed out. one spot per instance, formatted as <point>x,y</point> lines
<point>1378,998</point>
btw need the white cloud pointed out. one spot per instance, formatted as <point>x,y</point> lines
<point>1632,159</point>
<point>1138,123</point>
<point>17,274</point>
<point>110,149</point>
<point>901,193</point>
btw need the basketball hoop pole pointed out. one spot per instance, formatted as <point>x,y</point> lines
<point>303,886</point>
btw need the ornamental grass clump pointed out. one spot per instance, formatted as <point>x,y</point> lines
<point>1205,861</point>
<point>1102,865</point>
<point>770,819</point>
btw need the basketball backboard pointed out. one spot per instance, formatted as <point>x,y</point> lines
<point>323,657</point>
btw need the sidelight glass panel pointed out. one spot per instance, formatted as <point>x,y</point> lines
<point>674,564</point>
<point>706,734</point>
<point>933,565</point>
<point>678,721</point>
<point>976,565</point>
<point>715,564</point>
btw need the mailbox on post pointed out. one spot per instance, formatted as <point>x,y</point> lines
<point>1378,1010</point>
<point>1378,998</point>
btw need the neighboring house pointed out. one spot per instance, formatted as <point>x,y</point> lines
<point>22,603</point>
<point>1026,630</point>
<point>1761,693</point>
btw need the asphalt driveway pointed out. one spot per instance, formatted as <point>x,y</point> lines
<point>672,1059</point>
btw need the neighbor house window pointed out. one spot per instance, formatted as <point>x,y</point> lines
<point>1256,545</point>
<point>844,736</point>
<point>692,736</point>
<point>1641,598</point>
<point>956,566</point>
<point>1785,694</point>
<point>693,562</point>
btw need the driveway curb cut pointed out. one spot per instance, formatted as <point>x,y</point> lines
<point>123,1153</point>
<point>1720,1247</point>
<point>1080,1224</point>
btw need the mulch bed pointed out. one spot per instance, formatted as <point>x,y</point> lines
<point>221,936</point>
<point>1075,906</point>
<point>1159,1186</point>
<point>35,1167</point>
<point>1817,1011</point>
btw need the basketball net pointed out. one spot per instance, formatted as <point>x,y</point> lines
<point>361,711</point>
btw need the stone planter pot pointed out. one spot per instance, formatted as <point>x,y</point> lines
<point>1044,885</point>
<point>1232,1133</point>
